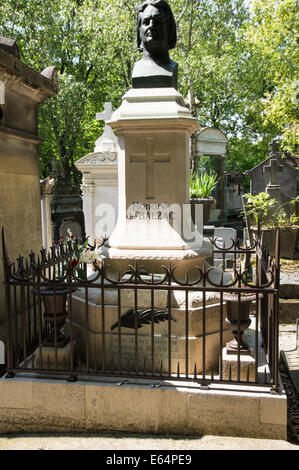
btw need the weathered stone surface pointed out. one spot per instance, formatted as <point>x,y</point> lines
<point>156,34</point>
<point>59,359</point>
<point>20,206</point>
<point>138,407</point>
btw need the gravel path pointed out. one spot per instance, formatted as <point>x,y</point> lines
<point>122,441</point>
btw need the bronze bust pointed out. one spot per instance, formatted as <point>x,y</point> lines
<point>156,35</point>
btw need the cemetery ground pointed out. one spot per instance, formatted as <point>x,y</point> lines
<point>136,441</point>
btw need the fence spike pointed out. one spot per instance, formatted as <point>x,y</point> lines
<point>178,370</point>
<point>247,377</point>
<point>195,372</point>
<point>230,373</point>
<point>144,366</point>
<point>161,369</point>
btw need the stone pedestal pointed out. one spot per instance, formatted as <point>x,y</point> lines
<point>230,366</point>
<point>100,183</point>
<point>274,192</point>
<point>154,229</point>
<point>154,223</point>
<point>54,359</point>
<point>149,346</point>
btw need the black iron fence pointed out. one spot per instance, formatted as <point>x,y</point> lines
<point>221,327</point>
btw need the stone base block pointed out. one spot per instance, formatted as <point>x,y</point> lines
<point>152,354</point>
<point>230,366</point>
<point>108,316</point>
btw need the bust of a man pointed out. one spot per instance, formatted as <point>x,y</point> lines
<point>156,35</point>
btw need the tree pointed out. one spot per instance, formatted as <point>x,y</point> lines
<point>271,40</point>
<point>240,58</point>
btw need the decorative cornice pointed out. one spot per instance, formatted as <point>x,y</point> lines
<point>96,159</point>
<point>13,71</point>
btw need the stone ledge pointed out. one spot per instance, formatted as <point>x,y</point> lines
<point>27,75</point>
<point>102,405</point>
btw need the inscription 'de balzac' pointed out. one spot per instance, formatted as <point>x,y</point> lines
<point>158,211</point>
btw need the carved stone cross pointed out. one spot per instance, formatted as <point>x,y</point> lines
<point>149,159</point>
<point>272,169</point>
<point>273,147</point>
<point>105,116</point>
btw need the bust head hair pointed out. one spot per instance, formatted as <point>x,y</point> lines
<point>163,6</point>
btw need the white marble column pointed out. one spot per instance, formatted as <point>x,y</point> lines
<point>87,194</point>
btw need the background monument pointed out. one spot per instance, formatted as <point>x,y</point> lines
<point>99,183</point>
<point>23,89</point>
<point>154,224</point>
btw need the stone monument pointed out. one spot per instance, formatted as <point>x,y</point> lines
<point>66,208</point>
<point>22,90</point>
<point>154,127</point>
<point>154,219</point>
<point>99,183</point>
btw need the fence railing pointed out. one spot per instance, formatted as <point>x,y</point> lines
<point>221,327</point>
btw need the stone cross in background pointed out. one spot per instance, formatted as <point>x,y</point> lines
<point>107,142</point>
<point>273,188</point>
<point>272,169</point>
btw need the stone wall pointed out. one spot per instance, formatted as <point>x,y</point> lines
<point>20,202</point>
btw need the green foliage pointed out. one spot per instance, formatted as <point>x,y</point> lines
<point>203,185</point>
<point>240,57</point>
<point>265,210</point>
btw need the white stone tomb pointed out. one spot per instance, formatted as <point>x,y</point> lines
<point>99,184</point>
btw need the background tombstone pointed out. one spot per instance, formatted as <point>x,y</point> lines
<point>285,182</point>
<point>225,237</point>
<point>234,184</point>
<point>66,210</point>
<point>210,155</point>
<point>20,201</point>
<point>99,183</point>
